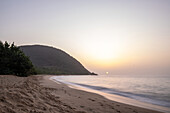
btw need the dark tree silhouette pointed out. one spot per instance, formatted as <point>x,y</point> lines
<point>14,61</point>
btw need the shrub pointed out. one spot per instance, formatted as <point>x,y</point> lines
<point>14,61</point>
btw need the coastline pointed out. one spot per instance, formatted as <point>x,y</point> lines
<point>115,97</point>
<point>39,94</point>
<point>109,101</point>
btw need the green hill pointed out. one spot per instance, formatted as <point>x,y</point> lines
<point>49,60</point>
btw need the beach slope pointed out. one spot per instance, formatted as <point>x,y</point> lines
<point>38,94</point>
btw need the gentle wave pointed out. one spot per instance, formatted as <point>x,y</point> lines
<point>140,97</point>
<point>149,90</point>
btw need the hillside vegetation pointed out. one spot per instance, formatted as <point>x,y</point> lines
<point>49,60</point>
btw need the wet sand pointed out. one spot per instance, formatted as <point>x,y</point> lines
<point>38,94</point>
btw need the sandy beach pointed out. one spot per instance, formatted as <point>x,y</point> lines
<point>38,94</point>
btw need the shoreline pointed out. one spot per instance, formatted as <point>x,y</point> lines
<point>39,94</point>
<point>117,98</point>
<point>105,97</point>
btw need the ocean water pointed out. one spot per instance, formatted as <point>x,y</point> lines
<point>152,90</point>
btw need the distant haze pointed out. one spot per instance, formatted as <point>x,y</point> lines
<point>114,36</point>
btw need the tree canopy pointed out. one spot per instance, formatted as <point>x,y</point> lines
<point>14,61</point>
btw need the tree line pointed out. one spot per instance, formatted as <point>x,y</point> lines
<point>13,61</point>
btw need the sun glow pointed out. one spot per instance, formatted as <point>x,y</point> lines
<point>103,51</point>
<point>104,48</point>
<point>106,51</point>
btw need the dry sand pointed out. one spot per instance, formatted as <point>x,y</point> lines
<point>38,94</point>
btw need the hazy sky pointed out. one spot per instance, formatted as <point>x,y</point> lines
<point>115,36</point>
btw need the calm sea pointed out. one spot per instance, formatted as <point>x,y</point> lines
<point>153,90</point>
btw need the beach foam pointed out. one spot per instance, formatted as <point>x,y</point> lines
<point>116,95</point>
